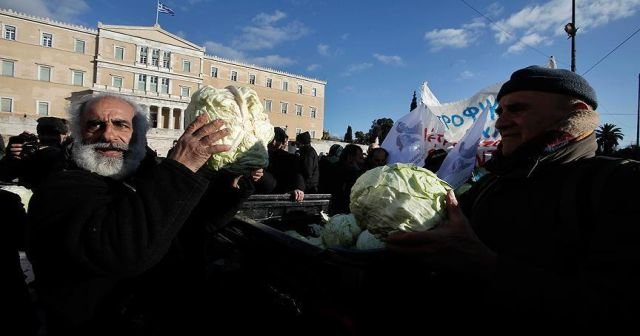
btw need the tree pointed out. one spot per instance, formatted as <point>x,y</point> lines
<point>379,128</point>
<point>607,138</point>
<point>325,135</point>
<point>361,138</point>
<point>414,102</point>
<point>348,137</point>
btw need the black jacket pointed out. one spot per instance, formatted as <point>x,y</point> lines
<point>564,226</point>
<point>308,167</point>
<point>282,175</point>
<point>107,254</point>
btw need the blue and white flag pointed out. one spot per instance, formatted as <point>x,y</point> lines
<point>162,8</point>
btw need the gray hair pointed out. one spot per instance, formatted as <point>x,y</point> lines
<point>140,118</point>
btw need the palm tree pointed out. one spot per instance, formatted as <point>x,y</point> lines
<point>607,137</point>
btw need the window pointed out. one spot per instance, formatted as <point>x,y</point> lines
<point>285,86</point>
<point>79,47</point>
<point>44,73</point>
<point>143,55</point>
<point>185,91</point>
<point>116,81</point>
<point>313,134</point>
<point>47,40</point>
<point>142,82</point>
<point>234,76</point>
<point>314,92</point>
<point>252,79</point>
<point>214,72</point>
<point>153,83</point>
<point>312,112</point>
<point>166,59</point>
<point>8,68</point>
<point>77,77</point>
<point>267,105</point>
<point>269,82</point>
<point>164,85</point>
<point>6,105</point>
<point>299,88</point>
<point>155,57</point>
<point>119,53</point>
<point>298,110</point>
<point>43,108</point>
<point>186,66</point>
<point>284,107</point>
<point>298,131</point>
<point>10,32</point>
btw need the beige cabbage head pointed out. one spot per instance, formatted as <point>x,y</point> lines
<point>398,197</point>
<point>243,114</point>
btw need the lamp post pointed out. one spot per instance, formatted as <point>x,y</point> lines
<point>571,30</point>
<point>638,122</point>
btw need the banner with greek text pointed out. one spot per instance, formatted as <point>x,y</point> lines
<point>433,125</point>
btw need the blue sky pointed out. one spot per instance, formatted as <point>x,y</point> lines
<point>374,54</point>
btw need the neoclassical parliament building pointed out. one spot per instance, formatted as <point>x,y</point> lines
<point>47,64</point>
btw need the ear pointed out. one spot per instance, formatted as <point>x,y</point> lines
<point>580,105</point>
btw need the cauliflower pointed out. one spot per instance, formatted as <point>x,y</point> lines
<point>341,231</point>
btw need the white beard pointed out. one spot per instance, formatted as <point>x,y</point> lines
<point>87,157</point>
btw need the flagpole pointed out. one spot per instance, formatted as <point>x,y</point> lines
<point>157,5</point>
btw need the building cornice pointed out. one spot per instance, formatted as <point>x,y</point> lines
<point>49,21</point>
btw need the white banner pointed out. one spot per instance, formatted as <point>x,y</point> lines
<point>434,125</point>
<point>457,166</point>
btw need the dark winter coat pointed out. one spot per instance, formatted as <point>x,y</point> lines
<point>565,227</point>
<point>18,312</point>
<point>283,174</point>
<point>308,163</point>
<point>109,256</point>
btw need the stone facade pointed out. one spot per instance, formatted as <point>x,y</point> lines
<point>46,65</point>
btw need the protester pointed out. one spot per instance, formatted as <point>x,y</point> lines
<point>18,310</point>
<point>349,168</point>
<point>283,174</point>
<point>32,158</point>
<point>308,163</point>
<point>377,157</point>
<point>434,159</point>
<point>327,166</point>
<point>549,238</point>
<point>106,236</point>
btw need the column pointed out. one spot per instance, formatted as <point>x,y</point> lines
<point>171,118</point>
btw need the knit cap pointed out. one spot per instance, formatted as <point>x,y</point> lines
<point>537,78</point>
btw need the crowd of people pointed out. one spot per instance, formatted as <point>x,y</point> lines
<point>118,237</point>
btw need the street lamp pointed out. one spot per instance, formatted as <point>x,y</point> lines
<point>571,30</point>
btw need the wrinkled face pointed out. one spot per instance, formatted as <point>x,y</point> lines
<point>524,115</point>
<point>107,146</point>
<point>109,121</point>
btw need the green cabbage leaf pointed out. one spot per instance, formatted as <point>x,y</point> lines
<point>398,197</point>
<point>242,112</point>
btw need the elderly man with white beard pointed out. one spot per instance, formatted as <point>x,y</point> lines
<point>107,236</point>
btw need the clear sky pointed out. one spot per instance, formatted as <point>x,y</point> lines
<point>374,54</point>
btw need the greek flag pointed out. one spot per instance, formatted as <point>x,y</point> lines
<point>162,8</point>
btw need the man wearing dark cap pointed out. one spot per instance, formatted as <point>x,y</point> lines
<point>550,237</point>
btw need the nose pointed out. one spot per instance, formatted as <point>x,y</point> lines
<point>503,121</point>
<point>109,134</point>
